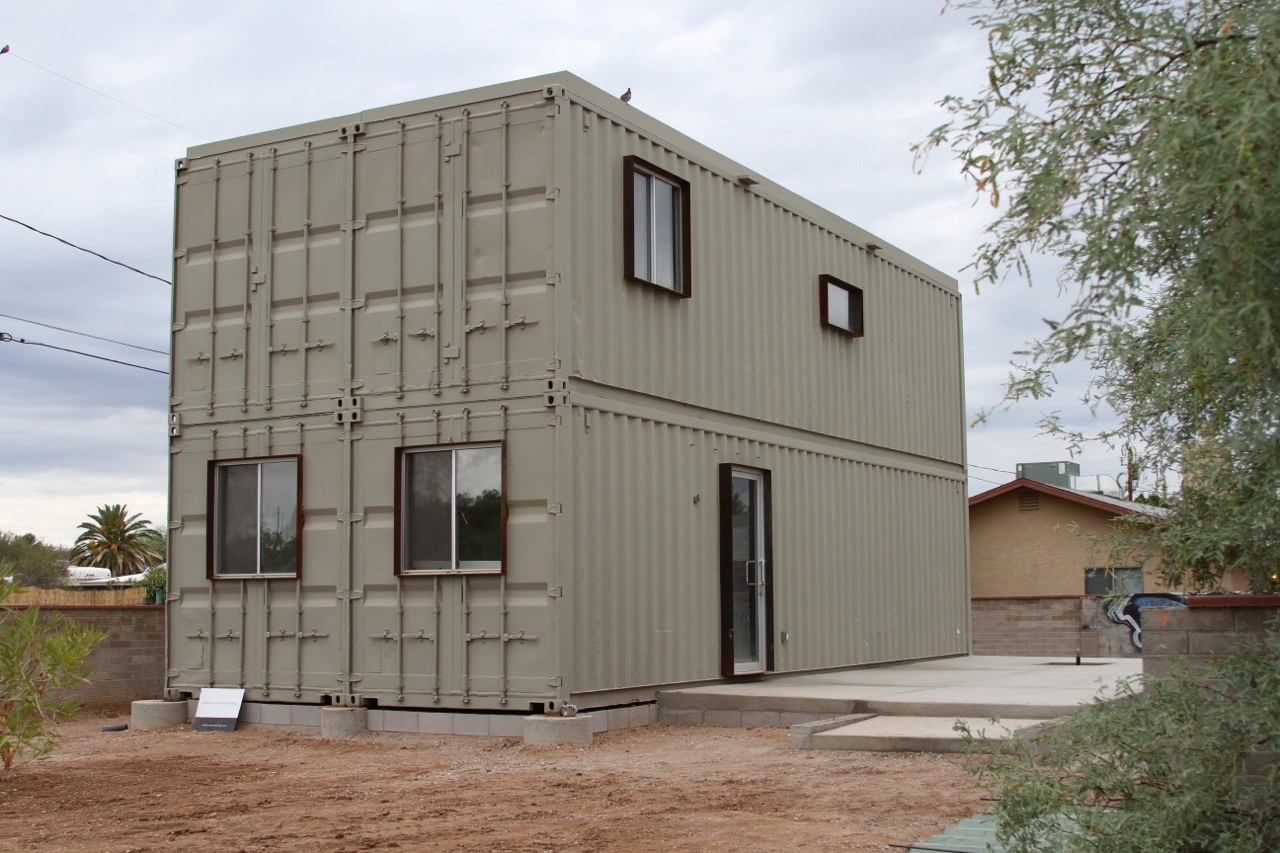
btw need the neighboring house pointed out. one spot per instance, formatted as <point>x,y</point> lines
<point>1040,561</point>
<point>517,397</point>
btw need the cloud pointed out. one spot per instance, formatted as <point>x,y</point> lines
<point>822,96</point>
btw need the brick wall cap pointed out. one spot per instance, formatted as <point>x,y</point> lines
<point>1233,600</point>
<point>1027,597</point>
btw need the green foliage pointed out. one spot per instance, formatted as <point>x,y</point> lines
<point>31,562</point>
<point>1138,142</point>
<point>157,577</point>
<point>39,660</point>
<point>156,583</point>
<point>113,539</point>
<point>158,541</point>
<point>1158,771</point>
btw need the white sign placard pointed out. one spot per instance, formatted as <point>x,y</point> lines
<point>218,709</point>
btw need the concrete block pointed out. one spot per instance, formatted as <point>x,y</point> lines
<point>641,715</point>
<point>541,730</point>
<point>1166,618</point>
<point>762,718</point>
<point>305,715</point>
<point>679,716</point>
<point>1164,642</point>
<point>612,720</point>
<point>1255,620</point>
<point>376,719</point>
<point>404,722</point>
<point>157,714</point>
<point>251,713</point>
<point>435,723</point>
<point>276,716</point>
<point>339,722</point>
<point>476,725</point>
<point>724,719</point>
<point>1217,644</point>
<point>506,725</point>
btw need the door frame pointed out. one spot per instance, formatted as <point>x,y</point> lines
<point>726,473</point>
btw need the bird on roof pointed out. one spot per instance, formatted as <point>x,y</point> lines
<point>626,96</point>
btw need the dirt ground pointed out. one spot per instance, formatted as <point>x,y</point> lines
<point>658,788</point>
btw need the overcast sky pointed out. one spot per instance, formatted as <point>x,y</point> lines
<point>823,96</point>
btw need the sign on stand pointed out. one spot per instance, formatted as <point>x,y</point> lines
<point>218,709</point>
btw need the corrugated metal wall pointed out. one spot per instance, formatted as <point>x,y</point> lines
<point>750,341</point>
<point>865,565</point>
<point>452,269</point>
<point>401,262</point>
<point>863,437</point>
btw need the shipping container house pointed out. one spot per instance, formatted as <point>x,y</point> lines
<point>517,397</point>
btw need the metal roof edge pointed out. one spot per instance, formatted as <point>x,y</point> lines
<point>696,152</point>
<point>577,89</point>
<point>1114,506</point>
<point>420,105</point>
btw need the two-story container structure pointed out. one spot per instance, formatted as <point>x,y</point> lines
<point>517,397</point>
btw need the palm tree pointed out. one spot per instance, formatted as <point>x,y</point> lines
<point>113,539</point>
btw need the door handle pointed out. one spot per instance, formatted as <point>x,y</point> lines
<point>753,572</point>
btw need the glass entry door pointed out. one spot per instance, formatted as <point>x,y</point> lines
<point>746,540</point>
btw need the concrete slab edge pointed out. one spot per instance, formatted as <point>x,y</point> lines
<point>316,719</point>
<point>802,733</point>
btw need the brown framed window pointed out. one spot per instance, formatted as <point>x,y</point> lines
<point>451,509</point>
<point>841,305</point>
<point>255,508</point>
<point>656,222</point>
<point>1108,581</point>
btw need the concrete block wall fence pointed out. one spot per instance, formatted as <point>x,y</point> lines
<point>1047,626</point>
<point>129,663</point>
<point>1209,627</point>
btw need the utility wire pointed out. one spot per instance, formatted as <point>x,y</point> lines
<point>84,334</point>
<point>7,338</point>
<point>971,465</point>
<point>6,49</point>
<point>83,249</point>
<point>985,480</point>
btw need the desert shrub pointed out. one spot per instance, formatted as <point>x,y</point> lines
<point>39,659</point>
<point>1176,764</point>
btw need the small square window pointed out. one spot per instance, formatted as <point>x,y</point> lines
<point>255,505</point>
<point>656,221</point>
<point>451,513</point>
<point>841,305</point>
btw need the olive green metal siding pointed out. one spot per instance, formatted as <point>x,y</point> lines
<point>865,568</point>
<point>749,341</point>
<point>398,265</point>
<point>863,437</point>
<point>450,271</point>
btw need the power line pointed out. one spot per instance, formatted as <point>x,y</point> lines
<point>84,334</point>
<point>7,338</point>
<point>971,464</point>
<point>6,49</point>
<point>83,249</point>
<point>985,480</point>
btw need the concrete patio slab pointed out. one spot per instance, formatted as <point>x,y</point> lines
<point>1024,689</point>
